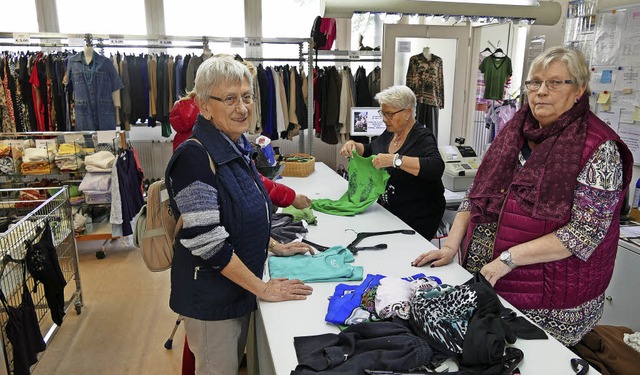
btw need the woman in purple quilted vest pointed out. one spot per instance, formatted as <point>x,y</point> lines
<point>541,220</point>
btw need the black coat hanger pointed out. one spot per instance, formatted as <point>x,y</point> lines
<point>497,51</point>
<point>486,50</point>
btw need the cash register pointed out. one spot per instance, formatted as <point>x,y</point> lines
<point>460,165</point>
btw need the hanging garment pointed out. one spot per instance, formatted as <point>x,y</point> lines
<point>496,71</point>
<point>425,78</point>
<point>43,265</point>
<point>23,330</point>
<point>333,264</point>
<point>93,85</point>
<point>366,183</point>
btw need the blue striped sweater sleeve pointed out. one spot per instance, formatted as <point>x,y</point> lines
<point>196,196</point>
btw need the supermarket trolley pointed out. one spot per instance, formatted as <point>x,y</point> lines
<point>28,209</point>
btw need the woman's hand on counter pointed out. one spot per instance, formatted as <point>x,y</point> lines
<point>437,258</point>
<point>291,248</point>
<point>301,201</point>
<point>281,289</point>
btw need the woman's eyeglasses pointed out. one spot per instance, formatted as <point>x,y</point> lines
<point>232,101</point>
<point>552,84</point>
<point>389,115</point>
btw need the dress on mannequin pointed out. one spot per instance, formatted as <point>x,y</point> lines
<point>425,77</point>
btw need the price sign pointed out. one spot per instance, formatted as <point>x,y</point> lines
<point>254,42</point>
<point>164,41</point>
<point>76,42</point>
<point>21,38</point>
<point>116,40</point>
<point>236,42</point>
<point>354,55</point>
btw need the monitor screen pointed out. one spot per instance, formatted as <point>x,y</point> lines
<point>366,121</point>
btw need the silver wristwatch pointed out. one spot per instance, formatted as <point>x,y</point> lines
<point>397,161</point>
<point>505,257</point>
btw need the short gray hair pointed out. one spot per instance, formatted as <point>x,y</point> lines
<point>398,96</point>
<point>574,60</point>
<point>219,71</point>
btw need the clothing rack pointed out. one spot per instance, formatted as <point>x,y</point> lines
<point>55,40</point>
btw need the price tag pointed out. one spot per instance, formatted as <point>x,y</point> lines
<point>255,42</point>
<point>76,42</point>
<point>354,55</point>
<point>164,41</point>
<point>404,46</point>
<point>116,40</point>
<point>21,38</point>
<point>236,42</point>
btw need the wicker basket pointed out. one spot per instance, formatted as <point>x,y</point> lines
<point>299,169</point>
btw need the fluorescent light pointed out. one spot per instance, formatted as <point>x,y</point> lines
<point>495,2</point>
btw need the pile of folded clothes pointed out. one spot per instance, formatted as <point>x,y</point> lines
<point>36,160</point>
<point>96,184</point>
<point>69,157</point>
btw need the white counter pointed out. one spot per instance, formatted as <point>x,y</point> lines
<point>278,323</point>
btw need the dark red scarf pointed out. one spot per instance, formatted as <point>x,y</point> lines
<point>544,186</point>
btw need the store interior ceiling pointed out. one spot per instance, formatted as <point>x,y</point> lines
<point>540,13</point>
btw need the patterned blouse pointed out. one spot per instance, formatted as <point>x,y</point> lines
<point>595,199</point>
<point>426,79</point>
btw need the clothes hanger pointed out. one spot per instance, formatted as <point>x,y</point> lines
<point>486,50</point>
<point>497,51</point>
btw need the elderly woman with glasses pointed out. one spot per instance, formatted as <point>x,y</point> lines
<point>221,248</point>
<point>541,221</point>
<point>409,151</point>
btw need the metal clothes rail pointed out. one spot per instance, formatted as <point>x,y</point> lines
<point>54,211</point>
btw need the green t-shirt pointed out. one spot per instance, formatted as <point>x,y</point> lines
<point>305,214</point>
<point>366,184</point>
<point>496,71</point>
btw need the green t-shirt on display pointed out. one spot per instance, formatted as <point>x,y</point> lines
<point>496,71</point>
<point>366,184</point>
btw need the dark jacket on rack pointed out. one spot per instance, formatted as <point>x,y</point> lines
<point>330,107</point>
<point>198,289</point>
<point>363,96</point>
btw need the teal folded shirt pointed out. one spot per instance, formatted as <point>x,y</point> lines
<point>334,264</point>
<point>366,183</point>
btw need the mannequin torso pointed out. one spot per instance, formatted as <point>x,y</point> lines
<point>88,54</point>
<point>427,53</point>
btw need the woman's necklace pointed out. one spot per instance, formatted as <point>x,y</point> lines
<point>398,139</point>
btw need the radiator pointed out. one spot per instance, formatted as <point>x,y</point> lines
<point>154,157</point>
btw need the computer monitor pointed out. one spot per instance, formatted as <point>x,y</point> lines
<point>366,121</point>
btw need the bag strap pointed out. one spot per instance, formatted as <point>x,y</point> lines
<point>211,164</point>
<point>213,169</point>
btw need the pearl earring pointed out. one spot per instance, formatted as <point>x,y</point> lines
<point>577,100</point>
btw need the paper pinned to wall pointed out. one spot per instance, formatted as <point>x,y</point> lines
<point>630,135</point>
<point>606,45</point>
<point>636,114</point>
<point>603,97</point>
<point>597,84</point>
<point>627,78</point>
<point>611,118</point>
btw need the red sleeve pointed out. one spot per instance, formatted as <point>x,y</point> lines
<point>281,195</point>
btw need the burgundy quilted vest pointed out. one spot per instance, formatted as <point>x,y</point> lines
<point>568,282</point>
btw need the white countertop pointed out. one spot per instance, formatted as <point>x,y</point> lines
<point>281,322</point>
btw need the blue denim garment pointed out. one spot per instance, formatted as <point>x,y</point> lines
<point>94,108</point>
